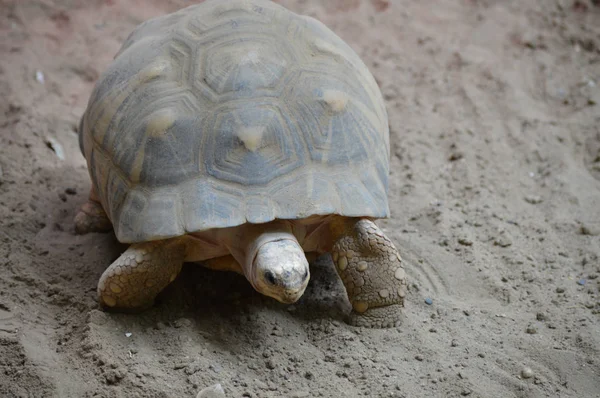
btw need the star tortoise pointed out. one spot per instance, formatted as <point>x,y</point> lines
<point>245,136</point>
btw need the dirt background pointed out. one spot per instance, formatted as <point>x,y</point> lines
<point>494,191</point>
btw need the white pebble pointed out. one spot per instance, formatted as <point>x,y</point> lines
<point>54,145</point>
<point>526,373</point>
<point>39,76</point>
<point>214,391</point>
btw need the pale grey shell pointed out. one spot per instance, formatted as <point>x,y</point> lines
<point>231,112</point>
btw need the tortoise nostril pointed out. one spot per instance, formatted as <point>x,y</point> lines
<point>270,277</point>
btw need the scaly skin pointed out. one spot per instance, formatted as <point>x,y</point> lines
<point>133,281</point>
<point>92,217</point>
<point>372,272</point>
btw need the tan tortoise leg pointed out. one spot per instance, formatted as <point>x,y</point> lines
<point>372,272</point>
<point>92,217</point>
<point>133,281</point>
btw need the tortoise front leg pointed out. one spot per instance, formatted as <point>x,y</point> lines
<point>92,217</point>
<point>133,281</point>
<point>372,272</point>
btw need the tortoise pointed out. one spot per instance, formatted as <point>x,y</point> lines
<point>247,137</point>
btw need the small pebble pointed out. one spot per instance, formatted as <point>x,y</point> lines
<point>428,301</point>
<point>215,391</point>
<point>590,229</point>
<point>526,373</point>
<point>128,334</point>
<point>454,343</point>
<point>465,241</point>
<point>560,290</point>
<point>503,240</point>
<point>455,156</point>
<point>71,191</point>
<point>581,282</point>
<point>540,316</point>
<point>270,364</point>
<point>55,146</point>
<point>39,76</point>
<point>419,357</point>
<point>531,330</point>
<point>113,376</point>
<point>533,199</point>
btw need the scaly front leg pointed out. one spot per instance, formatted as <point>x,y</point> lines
<point>372,272</point>
<point>132,282</point>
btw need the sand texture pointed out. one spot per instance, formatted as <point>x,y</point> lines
<point>494,110</point>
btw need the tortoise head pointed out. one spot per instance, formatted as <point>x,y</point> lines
<point>280,270</point>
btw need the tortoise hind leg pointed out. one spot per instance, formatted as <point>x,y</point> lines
<point>92,217</point>
<point>372,272</point>
<point>132,281</point>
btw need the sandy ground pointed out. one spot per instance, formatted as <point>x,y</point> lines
<point>494,111</point>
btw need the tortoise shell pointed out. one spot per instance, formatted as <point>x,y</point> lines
<point>231,112</point>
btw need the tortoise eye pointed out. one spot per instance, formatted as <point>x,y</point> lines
<point>270,277</point>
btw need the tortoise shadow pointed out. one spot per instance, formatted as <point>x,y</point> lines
<point>221,303</point>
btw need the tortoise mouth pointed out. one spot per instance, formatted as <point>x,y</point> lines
<point>285,295</point>
<point>290,297</point>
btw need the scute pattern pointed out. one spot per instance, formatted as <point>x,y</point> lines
<point>334,114</point>
<point>169,151</point>
<point>235,67</point>
<point>231,112</point>
<point>252,145</point>
<point>208,204</point>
